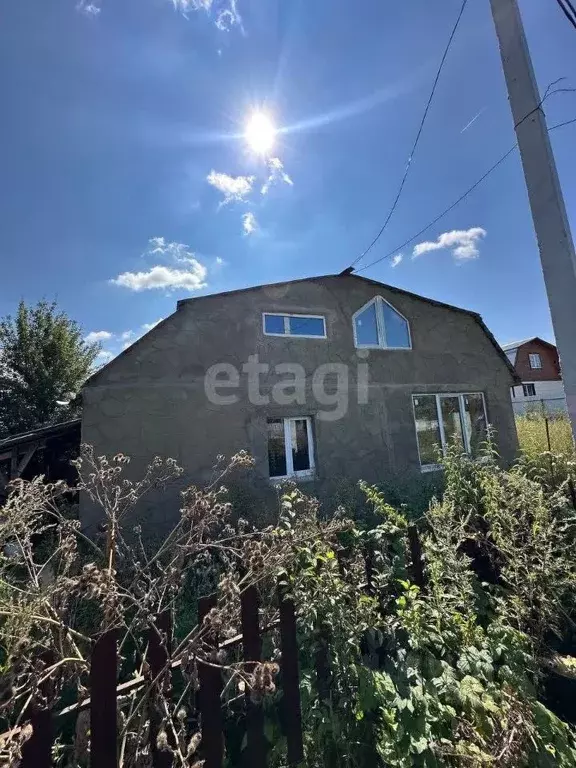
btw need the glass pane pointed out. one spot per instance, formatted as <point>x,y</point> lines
<point>474,422</point>
<point>427,428</point>
<point>397,333</point>
<point>274,323</point>
<point>276,448</point>
<point>300,452</point>
<point>306,326</point>
<point>450,408</point>
<point>366,327</point>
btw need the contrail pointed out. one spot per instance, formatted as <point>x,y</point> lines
<point>473,120</point>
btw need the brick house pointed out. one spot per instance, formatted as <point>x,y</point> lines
<point>537,364</point>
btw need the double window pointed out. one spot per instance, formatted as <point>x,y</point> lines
<point>535,361</point>
<point>305,326</point>
<point>529,390</point>
<point>290,449</point>
<point>444,419</point>
<point>379,325</point>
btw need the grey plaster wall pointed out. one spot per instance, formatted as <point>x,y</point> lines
<point>151,400</point>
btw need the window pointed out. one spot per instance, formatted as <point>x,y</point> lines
<point>306,326</point>
<point>529,390</point>
<point>379,325</point>
<point>535,361</point>
<point>444,419</point>
<point>290,450</point>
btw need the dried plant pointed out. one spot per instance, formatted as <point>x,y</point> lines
<point>60,590</point>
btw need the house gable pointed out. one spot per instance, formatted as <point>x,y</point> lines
<point>548,357</point>
<point>239,308</point>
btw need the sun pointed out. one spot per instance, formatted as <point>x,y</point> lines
<point>260,133</point>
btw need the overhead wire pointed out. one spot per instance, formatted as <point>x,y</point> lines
<point>458,201</point>
<point>568,10</point>
<point>418,135</point>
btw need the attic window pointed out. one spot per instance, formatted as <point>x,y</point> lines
<point>305,326</point>
<point>378,325</point>
<point>535,361</point>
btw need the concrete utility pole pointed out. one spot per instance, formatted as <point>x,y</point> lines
<point>546,202</point>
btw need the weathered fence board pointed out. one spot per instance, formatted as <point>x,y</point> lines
<point>211,717</point>
<point>291,711</point>
<point>103,716</point>
<point>37,751</point>
<point>255,752</point>
<point>159,642</point>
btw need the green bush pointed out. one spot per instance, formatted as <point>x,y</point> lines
<point>448,675</point>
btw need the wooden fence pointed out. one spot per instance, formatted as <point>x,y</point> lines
<point>104,690</point>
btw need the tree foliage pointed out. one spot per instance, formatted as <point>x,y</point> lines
<point>43,360</point>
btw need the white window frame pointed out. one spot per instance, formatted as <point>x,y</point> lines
<point>380,325</point>
<point>287,316</point>
<point>290,473</point>
<point>439,396</point>
<point>528,384</point>
<point>535,356</point>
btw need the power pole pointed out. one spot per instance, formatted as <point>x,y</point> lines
<point>546,202</point>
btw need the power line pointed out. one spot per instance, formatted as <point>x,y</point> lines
<point>456,202</point>
<point>568,10</point>
<point>418,135</point>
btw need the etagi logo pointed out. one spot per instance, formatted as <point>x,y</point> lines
<point>330,388</point>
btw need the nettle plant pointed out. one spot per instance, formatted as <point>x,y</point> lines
<point>394,675</point>
<point>391,674</point>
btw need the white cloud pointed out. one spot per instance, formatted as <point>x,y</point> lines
<point>192,279</point>
<point>127,336</point>
<point>228,17</point>
<point>178,253</point>
<point>277,173</point>
<point>187,273</point>
<point>89,9</point>
<point>148,326</point>
<point>462,242</point>
<point>95,336</point>
<point>232,187</point>
<point>227,14</point>
<point>104,356</point>
<point>192,5</point>
<point>249,223</point>
<point>397,259</point>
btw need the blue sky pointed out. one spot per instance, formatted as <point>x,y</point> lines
<point>124,172</point>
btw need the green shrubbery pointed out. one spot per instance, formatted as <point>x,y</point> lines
<point>448,675</point>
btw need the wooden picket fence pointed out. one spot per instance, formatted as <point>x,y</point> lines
<point>104,688</point>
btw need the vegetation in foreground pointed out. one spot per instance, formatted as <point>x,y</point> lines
<point>447,675</point>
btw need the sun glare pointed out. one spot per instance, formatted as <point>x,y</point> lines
<point>260,133</point>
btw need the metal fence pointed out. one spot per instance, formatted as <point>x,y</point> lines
<point>547,406</point>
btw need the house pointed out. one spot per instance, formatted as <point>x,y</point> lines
<point>537,364</point>
<point>326,380</point>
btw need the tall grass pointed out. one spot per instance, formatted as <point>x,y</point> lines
<point>534,438</point>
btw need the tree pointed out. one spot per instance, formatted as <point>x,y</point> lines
<point>43,363</point>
